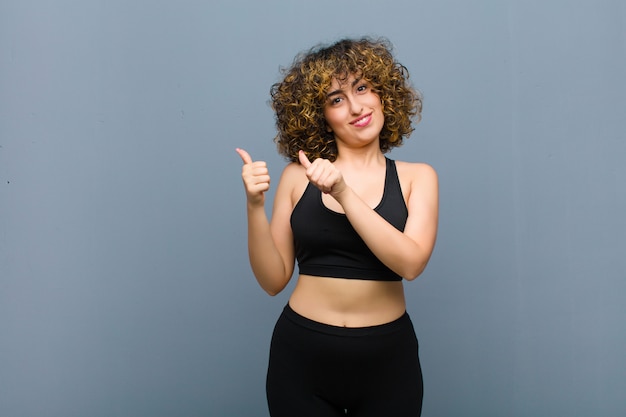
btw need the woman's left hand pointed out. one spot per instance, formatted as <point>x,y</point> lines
<point>323,174</point>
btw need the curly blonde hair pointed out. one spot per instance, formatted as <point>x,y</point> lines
<point>298,100</point>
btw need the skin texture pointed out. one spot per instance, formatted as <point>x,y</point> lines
<point>352,183</point>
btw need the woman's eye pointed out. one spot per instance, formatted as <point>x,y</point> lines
<point>361,88</point>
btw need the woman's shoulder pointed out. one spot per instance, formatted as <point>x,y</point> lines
<point>293,181</point>
<point>416,170</point>
<point>293,171</point>
<point>419,182</point>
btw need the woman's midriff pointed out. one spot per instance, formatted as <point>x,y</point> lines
<point>348,302</point>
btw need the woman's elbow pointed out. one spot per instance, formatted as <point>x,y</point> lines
<point>412,272</point>
<point>272,292</point>
<point>273,289</point>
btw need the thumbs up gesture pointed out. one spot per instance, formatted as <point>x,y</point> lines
<point>256,178</point>
<point>323,174</point>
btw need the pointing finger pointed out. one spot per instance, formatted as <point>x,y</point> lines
<point>245,156</point>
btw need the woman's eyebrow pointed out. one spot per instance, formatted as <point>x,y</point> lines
<point>340,90</point>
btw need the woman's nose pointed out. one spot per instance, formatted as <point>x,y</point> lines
<point>355,106</point>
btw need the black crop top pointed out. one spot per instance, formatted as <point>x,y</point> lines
<point>327,245</point>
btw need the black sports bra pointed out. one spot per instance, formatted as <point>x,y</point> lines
<point>327,245</point>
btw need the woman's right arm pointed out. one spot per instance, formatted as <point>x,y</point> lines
<point>270,244</point>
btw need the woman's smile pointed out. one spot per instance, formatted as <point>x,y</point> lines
<point>362,121</point>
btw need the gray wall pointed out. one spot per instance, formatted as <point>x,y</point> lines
<point>124,283</point>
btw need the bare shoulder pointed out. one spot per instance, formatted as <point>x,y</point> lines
<point>419,183</point>
<point>416,172</point>
<point>293,174</point>
<point>293,169</point>
<point>293,181</point>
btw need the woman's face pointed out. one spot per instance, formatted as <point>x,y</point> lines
<point>353,111</point>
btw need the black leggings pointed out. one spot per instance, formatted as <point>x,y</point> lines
<point>319,370</point>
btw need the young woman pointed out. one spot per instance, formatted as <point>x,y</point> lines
<point>358,224</point>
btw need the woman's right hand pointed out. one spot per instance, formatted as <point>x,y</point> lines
<point>256,178</point>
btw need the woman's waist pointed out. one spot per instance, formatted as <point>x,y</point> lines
<point>348,302</point>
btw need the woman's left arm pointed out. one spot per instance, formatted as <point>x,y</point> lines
<point>406,253</point>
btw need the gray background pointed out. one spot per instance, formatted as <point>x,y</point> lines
<point>124,283</point>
